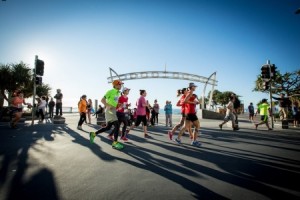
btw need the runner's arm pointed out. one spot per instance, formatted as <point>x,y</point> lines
<point>187,99</point>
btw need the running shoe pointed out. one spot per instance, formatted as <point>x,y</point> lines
<point>170,135</point>
<point>92,137</point>
<point>79,127</point>
<point>196,143</point>
<point>124,139</point>
<point>110,137</point>
<point>177,141</point>
<point>117,145</point>
<point>220,125</point>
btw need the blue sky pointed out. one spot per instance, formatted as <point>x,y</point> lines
<point>80,40</point>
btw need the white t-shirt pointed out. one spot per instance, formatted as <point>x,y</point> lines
<point>229,108</point>
<point>42,104</point>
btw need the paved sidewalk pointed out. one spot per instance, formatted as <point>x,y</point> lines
<point>47,161</point>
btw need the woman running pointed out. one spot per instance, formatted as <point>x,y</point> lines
<point>141,104</point>
<point>16,108</point>
<point>191,117</point>
<point>181,104</point>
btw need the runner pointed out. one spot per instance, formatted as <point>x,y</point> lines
<point>82,108</point>
<point>17,108</point>
<point>191,117</point>
<point>110,101</point>
<point>229,113</point>
<point>122,113</point>
<point>265,110</point>
<point>141,112</point>
<point>181,104</point>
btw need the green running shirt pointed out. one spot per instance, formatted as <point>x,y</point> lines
<point>112,97</point>
<point>263,109</point>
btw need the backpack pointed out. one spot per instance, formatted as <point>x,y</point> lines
<point>237,103</point>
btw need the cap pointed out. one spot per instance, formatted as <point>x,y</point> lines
<point>117,82</point>
<point>125,88</point>
<point>264,100</point>
<point>192,85</point>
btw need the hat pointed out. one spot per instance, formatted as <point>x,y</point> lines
<point>125,88</point>
<point>264,100</point>
<point>192,85</point>
<point>117,82</point>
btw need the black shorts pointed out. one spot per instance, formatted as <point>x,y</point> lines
<point>14,110</point>
<point>141,118</point>
<point>183,114</point>
<point>251,114</point>
<point>264,118</point>
<point>191,117</point>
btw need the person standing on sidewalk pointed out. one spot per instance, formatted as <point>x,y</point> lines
<point>51,107</point>
<point>42,109</point>
<point>168,111</point>
<point>191,117</point>
<point>265,111</point>
<point>58,103</point>
<point>82,109</point>
<point>156,111</point>
<point>89,110</point>
<point>251,112</point>
<point>284,103</point>
<point>110,101</point>
<point>296,113</point>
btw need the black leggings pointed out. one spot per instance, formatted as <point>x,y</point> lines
<point>108,126</point>
<point>82,118</point>
<point>122,119</point>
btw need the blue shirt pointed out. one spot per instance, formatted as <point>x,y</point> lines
<point>168,109</point>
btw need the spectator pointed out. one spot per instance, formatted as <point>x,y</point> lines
<point>42,109</point>
<point>89,110</point>
<point>156,111</point>
<point>296,114</point>
<point>251,112</point>
<point>284,104</point>
<point>168,111</point>
<point>51,107</point>
<point>58,104</point>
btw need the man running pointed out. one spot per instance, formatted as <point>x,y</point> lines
<point>122,113</point>
<point>229,113</point>
<point>265,110</point>
<point>110,101</point>
<point>191,117</point>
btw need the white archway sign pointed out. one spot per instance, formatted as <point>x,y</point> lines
<point>168,75</point>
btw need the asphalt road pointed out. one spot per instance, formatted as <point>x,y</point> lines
<point>47,161</point>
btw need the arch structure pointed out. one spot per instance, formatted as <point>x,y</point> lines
<point>211,80</point>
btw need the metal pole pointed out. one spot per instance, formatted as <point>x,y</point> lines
<point>34,91</point>
<point>271,101</point>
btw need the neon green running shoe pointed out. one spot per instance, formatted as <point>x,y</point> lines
<point>117,145</point>
<point>92,137</point>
